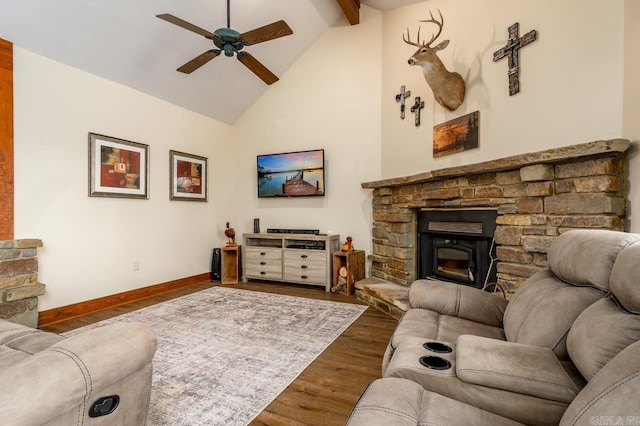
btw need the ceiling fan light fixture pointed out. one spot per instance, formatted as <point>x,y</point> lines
<point>231,42</point>
<point>228,50</point>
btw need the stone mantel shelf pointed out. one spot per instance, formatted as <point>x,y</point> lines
<point>548,156</point>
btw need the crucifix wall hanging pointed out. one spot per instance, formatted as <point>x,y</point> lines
<point>402,97</point>
<point>416,109</point>
<point>511,51</point>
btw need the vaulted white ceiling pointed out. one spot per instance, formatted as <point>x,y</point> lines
<point>123,41</point>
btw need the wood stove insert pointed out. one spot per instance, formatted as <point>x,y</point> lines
<point>457,246</point>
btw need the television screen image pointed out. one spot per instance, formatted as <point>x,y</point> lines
<point>291,174</point>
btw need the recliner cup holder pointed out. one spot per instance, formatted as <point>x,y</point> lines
<point>438,347</point>
<point>435,363</point>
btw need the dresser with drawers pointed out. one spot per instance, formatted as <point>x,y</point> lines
<point>291,258</point>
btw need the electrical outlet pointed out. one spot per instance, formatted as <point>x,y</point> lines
<point>136,265</point>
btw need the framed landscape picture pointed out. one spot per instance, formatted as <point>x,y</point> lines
<point>456,135</point>
<point>118,168</point>
<point>188,177</point>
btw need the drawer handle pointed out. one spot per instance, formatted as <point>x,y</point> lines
<point>304,266</point>
<point>263,273</point>
<point>263,253</point>
<point>304,277</point>
<point>263,263</point>
<point>304,256</point>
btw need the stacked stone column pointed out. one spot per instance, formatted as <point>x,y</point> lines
<point>19,286</point>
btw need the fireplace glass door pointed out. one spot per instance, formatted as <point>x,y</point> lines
<point>454,262</point>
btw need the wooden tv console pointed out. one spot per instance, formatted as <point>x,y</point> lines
<point>291,258</point>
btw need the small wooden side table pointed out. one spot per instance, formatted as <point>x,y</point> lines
<point>348,267</point>
<point>230,261</point>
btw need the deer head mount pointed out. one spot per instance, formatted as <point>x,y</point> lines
<point>448,87</point>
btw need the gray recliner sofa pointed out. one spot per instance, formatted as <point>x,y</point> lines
<point>610,398</point>
<point>540,313</point>
<point>529,359</point>
<point>100,377</point>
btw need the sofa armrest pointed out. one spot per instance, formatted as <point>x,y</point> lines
<point>73,372</point>
<point>513,367</point>
<point>458,301</point>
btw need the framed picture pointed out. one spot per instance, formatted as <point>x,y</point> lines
<point>188,178</point>
<point>456,135</point>
<point>118,168</point>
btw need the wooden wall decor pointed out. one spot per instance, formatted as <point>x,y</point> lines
<point>511,50</point>
<point>456,135</point>
<point>402,97</point>
<point>351,9</point>
<point>6,140</point>
<point>417,106</point>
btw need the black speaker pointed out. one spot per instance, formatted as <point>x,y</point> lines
<point>215,265</point>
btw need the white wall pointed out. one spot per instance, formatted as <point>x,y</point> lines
<point>90,244</point>
<point>571,91</point>
<point>630,122</point>
<point>329,99</point>
<point>571,79</point>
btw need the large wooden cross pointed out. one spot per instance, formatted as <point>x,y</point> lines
<point>511,50</point>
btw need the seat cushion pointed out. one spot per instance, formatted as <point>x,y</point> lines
<point>431,325</point>
<point>398,402</point>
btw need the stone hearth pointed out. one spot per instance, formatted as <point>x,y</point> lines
<point>537,196</point>
<point>19,286</point>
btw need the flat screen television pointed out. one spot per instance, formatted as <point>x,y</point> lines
<point>291,174</point>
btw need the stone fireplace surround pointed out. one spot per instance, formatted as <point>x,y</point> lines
<point>19,286</point>
<point>537,196</point>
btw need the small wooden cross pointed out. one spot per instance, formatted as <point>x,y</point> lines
<point>511,50</point>
<point>416,109</point>
<point>401,97</point>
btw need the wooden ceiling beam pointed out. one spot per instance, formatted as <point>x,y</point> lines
<point>351,9</point>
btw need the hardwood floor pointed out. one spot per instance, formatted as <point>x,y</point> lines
<point>326,391</point>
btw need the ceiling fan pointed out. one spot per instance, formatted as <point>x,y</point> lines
<point>231,41</point>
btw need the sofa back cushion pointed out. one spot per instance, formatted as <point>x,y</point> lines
<point>609,325</point>
<point>624,278</point>
<point>611,395</point>
<point>585,257</point>
<point>580,261</point>
<point>543,310</point>
<point>601,332</point>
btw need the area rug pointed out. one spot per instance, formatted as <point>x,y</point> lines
<point>224,354</point>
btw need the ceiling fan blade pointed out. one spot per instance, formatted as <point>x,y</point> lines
<point>199,61</point>
<point>186,25</point>
<point>257,68</point>
<point>268,32</point>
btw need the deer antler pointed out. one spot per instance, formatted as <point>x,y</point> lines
<point>408,39</point>
<point>440,24</point>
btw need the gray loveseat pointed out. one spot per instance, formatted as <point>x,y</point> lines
<point>461,356</point>
<point>100,377</point>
